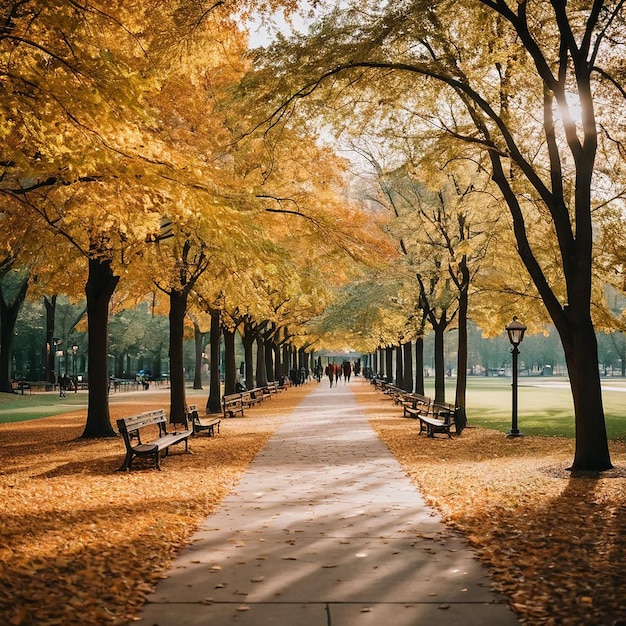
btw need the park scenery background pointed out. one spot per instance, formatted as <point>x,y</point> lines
<point>235,194</point>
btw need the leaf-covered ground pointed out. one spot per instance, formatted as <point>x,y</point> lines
<point>83,544</point>
<point>555,544</point>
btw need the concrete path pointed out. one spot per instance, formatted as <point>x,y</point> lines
<point>325,529</point>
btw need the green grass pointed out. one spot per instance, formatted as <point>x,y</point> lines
<point>542,410</point>
<point>20,408</point>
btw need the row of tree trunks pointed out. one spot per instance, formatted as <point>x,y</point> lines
<point>409,371</point>
<point>274,358</point>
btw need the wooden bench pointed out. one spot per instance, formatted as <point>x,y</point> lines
<point>391,390</point>
<point>256,395</point>
<point>246,399</point>
<point>416,404</point>
<point>440,420</point>
<point>200,425</point>
<point>271,389</point>
<point>232,403</point>
<point>130,429</point>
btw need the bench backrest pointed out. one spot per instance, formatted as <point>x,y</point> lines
<point>231,397</point>
<point>144,419</point>
<point>444,411</point>
<point>192,414</point>
<point>130,426</point>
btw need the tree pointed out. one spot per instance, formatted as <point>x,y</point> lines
<point>214,400</point>
<point>441,224</point>
<point>73,139</point>
<point>507,79</point>
<point>11,299</point>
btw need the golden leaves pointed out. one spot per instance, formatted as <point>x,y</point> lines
<point>84,545</point>
<point>554,544</point>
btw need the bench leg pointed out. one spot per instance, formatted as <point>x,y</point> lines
<point>127,462</point>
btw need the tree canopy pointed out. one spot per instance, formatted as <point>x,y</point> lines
<point>535,87</point>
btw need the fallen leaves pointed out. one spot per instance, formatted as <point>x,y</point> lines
<point>555,544</point>
<point>100,540</point>
<point>83,544</point>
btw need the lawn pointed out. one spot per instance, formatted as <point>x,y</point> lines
<point>20,408</point>
<point>544,405</point>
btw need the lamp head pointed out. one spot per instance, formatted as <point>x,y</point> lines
<point>515,331</point>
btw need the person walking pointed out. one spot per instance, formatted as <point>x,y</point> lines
<point>330,372</point>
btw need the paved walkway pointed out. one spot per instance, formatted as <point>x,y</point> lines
<point>325,529</point>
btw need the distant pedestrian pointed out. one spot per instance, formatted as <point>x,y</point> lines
<point>347,370</point>
<point>330,372</point>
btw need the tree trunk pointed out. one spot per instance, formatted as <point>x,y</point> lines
<point>101,284</point>
<point>461,363</point>
<point>230,363</point>
<point>389,364</point>
<point>178,310</point>
<point>419,365</point>
<point>261,374</point>
<point>399,380</point>
<point>214,401</point>
<point>440,365</point>
<point>119,365</point>
<point>407,368</point>
<point>285,360</point>
<point>247,339</point>
<point>269,359</point>
<point>8,318</point>
<point>50,306</point>
<point>278,364</point>
<point>198,337</point>
<point>581,356</point>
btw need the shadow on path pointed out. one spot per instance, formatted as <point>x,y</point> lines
<point>325,528</point>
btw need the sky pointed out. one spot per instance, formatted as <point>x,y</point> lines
<point>261,35</point>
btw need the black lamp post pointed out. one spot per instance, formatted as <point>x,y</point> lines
<point>515,331</point>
